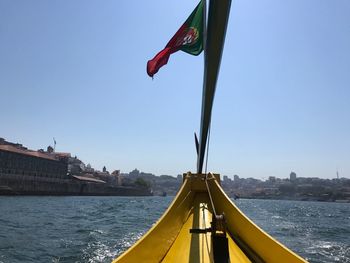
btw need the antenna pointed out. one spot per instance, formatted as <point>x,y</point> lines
<point>54,144</point>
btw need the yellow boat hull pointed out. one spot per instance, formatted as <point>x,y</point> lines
<point>170,240</point>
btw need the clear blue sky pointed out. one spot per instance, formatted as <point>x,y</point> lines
<point>76,71</point>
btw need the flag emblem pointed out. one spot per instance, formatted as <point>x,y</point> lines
<point>191,37</point>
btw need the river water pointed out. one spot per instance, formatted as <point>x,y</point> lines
<point>97,229</point>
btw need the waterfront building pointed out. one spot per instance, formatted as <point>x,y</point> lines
<point>29,172</point>
<point>272,179</point>
<point>117,177</point>
<point>134,173</point>
<point>17,160</point>
<point>89,169</point>
<point>293,177</point>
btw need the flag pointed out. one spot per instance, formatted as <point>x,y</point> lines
<point>189,38</point>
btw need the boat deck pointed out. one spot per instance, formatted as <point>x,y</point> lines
<point>197,247</point>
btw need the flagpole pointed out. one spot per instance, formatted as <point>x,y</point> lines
<point>214,43</point>
<point>200,154</point>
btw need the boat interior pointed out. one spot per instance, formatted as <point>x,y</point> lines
<point>203,225</point>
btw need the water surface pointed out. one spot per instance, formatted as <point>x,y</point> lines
<point>97,229</point>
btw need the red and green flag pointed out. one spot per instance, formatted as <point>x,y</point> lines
<point>189,38</point>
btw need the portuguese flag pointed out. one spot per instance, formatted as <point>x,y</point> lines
<point>189,38</point>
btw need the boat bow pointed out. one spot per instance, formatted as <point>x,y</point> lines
<point>185,232</point>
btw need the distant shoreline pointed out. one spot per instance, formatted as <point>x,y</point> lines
<point>295,199</point>
<point>19,185</point>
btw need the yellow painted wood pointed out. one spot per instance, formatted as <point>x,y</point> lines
<point>192,247</point>
<point>170,239</point>
<point>236,254</point>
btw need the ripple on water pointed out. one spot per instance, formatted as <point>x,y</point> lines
<point>320,232</point>
<point>98,251</point>
<point>329,251</point>
<point>97,229</point>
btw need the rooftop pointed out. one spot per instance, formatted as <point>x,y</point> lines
<point>88,179</point>
<point>10,148</point>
